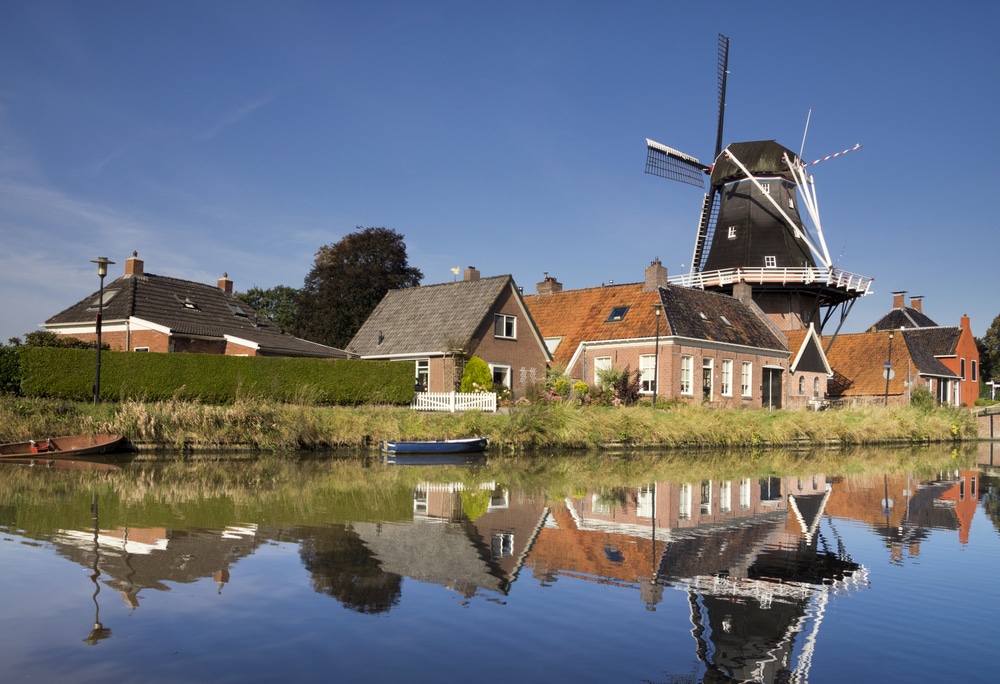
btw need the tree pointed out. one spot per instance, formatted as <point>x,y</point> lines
<point>348,280</point>
<point>277,303</point>
<point>477,376</point>
<point>989,351</point>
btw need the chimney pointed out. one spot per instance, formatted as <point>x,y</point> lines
<point>133,265</point>
<point>899,300</point>
<point>471,274</point>
<point>965,323</point>
<point>548,286</point>
<point>225,284</point>
<point>743,292</point>
<point>656,275</point>
<point>915,304</point>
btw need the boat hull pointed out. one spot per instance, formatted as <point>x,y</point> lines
<point>64,447</point>
<point>443,446</point>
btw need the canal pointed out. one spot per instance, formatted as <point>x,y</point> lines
<point>867,566</point>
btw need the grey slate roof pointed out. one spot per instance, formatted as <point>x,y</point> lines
<point>429,319</point>
<point>189,308</point>
<point>904,317</point>
<point>940,341</point>
<point>703,315</point>
<point>925,357</point>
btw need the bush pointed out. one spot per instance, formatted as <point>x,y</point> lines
<point>921,398</point>
<point>477,376</point>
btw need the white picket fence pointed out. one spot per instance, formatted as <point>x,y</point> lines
<point>454,401</point>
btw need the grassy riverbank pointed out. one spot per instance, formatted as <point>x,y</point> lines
<point>266,426</point>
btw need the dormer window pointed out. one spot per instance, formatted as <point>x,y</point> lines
<point>726,321</point>
<point>617,314</point>
<point>188,304</point>
<point>702,315</point>
<point>237,311</point>
<point>770,262</point>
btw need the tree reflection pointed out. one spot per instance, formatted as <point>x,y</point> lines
<point>343,567</point>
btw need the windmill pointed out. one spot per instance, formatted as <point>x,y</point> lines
<point>750,230</point>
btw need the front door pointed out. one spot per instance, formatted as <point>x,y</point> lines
<point>772,388</point>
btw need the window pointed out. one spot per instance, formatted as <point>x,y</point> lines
<point>791,203</point>
<point>975,371</point>
<point>601,363</point>
<point>684,502</point>
<point>744,494</point>
<point>732,232</point>
<point>770,262</point>
<point>502,545</point>
<point>765,188</point>
<point>505,326</point>
<point>501,375</point>
<point>707,378</point>
<point>237,311</point>
<point>802,384</point>
<point>746,378</point>
<point>644,502</point>
<point>726,496</point>
<point>815,388</point>
<point>141,349</point>
<point>727,377</point>
<point>617,314</point>
<point>687,370</point>
<point>647,372</point>
<point>706,497</point>
<point>423,374</point>
<point>725,321</point>
<point>962,367</point>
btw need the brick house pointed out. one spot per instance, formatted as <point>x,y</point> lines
<point>144,312</point>
<point>706,347</point>
<point>954,346</point>
<point>439,327</point>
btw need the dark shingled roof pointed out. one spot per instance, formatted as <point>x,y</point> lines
<point>905,317</point>
<point>703,315</point>
<point>941,341</point>
<point>430,319</point>
<point>189,308</point>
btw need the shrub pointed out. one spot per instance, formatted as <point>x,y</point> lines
<point>922,398</point>
<point>477,376</point>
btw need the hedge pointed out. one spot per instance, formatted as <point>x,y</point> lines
<point>215,379</point>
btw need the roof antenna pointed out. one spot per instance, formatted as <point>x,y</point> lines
<point>808,116</point>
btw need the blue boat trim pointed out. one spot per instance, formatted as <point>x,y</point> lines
<point>442,446</point>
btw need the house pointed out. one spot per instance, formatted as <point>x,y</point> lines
<point>440,327</point>
<point>701,346</point>
<point>913,350</point>
<point>809,372</point>
<point>954,346</point>
<point>144,312</point>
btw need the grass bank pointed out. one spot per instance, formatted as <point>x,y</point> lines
<point>267,426</point>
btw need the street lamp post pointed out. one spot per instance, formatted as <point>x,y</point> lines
<point>102,270</point>
<point>888,368</point>
<point>657,307</point>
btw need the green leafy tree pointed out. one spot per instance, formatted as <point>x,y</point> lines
<point>989,352</point>
<point>348,280</point>
<point>278,303</point>
<point>47,338</point>
<point>477,376</point>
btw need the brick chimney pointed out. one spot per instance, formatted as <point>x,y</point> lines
<point>548,285</point>
<point>470,274</point>
<point>656,275</point>
<point>743,291</point>
<point>965,323</point>
<point>916,305</point>
<point>133,265</point>
<point>225,284</point>
<point>899,300</point>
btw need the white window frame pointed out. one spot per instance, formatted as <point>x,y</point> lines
<point>765,188</point>
<point>770,262</point>
<point>708,364</point>
<point>505,376</point>
<point>706,497</point>
<point>727,377</point>
<point>975,371</point>
<point>746,379</point>
<point>601,363</point>
<point>647,373</point>
<point>744,493</point>
<point>422,372</point>
<point>140,349</point>
<point>732,232</point>
<point>687,370</point>
<point>726,496</point>
<point>684,502</point>
<point>505,326</point>
<point>802,385</point>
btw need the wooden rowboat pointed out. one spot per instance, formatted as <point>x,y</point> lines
<point>64,447</point>
<point>441,446</point>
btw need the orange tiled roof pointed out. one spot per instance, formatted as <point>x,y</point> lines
<point>858,360</point>
<point>578,315</point>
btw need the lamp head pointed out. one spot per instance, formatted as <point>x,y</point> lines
<point>102,265</point>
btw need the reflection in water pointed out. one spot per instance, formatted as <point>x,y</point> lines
<point>757,559</point>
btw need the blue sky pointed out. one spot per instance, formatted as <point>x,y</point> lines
<point>240,137</point>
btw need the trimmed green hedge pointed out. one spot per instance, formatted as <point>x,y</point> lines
<point>215,379</point>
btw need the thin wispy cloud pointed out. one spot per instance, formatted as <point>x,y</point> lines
<point>235,116</point>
